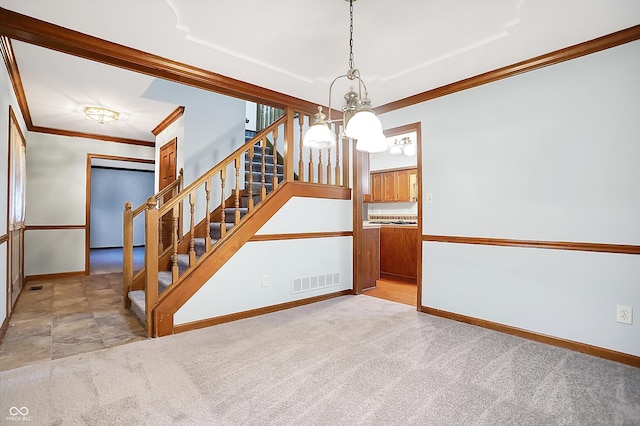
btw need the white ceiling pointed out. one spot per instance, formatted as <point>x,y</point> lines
<point>296,47</point>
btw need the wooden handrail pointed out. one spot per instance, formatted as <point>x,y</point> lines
<point>220,166</point>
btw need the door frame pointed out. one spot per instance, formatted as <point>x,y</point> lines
<point>173,142</point>
<point>417,128</point>
<point>87,219</point>
<point>11,237</point>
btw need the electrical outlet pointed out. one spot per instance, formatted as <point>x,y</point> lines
<point>265,281</point>
<point>624,314</point>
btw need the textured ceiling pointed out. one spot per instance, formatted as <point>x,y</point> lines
<point>296,47</point>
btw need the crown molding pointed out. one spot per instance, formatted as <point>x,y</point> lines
<point>555,57</point>
<point>44,34</point>
<point>171,118</point>
<point>105,138</point>
<point>16,81</point>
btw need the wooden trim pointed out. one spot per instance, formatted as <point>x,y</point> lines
<point>171,118</point>
<point>538,337</point>
<point>300,236</point>
<point>552,58</point>
<point>52,227</point>
<point>5,326</point>
<point>394,169</point>
<point>54,276</point>
<point>255,312</point>
<point>123,169</point>
<point>4,238</point>
<point>14,75</point>
<point>402,278</point>
<point>50,36</point>
<point>74,134</point>
<point>117,158</point>
<point>12,117</point>
<point>552,245</point>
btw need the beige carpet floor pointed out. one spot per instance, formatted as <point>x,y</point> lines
<point>354,360</point>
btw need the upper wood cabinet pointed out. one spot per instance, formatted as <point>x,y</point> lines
<point>394,185</point>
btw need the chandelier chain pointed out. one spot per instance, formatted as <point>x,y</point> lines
<point>351,60</point>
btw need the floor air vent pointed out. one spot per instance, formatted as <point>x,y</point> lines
<point>35,288</point>
<point>300,285</point>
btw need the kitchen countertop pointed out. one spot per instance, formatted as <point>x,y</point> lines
<point>377,223</point>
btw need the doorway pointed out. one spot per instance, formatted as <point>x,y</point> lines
<point>111,181</point>
<point>395,203</point>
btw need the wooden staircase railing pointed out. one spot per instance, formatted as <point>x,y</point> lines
<point>129,215</point>
<point>240,190</point>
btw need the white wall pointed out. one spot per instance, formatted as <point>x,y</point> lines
<point>238,286</point>
<point>56,195</point>
<point>110,189</point>
<point>547,155</point>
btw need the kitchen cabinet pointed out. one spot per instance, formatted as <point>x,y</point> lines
<point>394,186</point>
<point>399,252</point>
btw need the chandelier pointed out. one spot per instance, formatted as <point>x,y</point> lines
<point>360,123</point>
<point>404,145</point>
<point>101,115</point>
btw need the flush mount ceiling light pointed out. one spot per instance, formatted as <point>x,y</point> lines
<point>359,120</point>
<point>405,145</point>
<point>101,115</point>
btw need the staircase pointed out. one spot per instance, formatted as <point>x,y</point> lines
<point>253,185</point>
<point>220,211</point>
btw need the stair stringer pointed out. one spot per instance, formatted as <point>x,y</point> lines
<point>210,263</point>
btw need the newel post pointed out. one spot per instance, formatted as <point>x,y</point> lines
<point>127,253</point>
<point>151,261</point>
<point>288,145</point>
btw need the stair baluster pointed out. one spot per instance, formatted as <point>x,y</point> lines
<point>175,214</point>
<point>301,161</point>
<point>337,180</point>
<point>263,189</point>
<point>251,152</point>
<point>127,252</point>
<point>329,166</point>
<point>237,192</point>
<point>310,178</point>
<point>274,181</point>
<point>223,226</point>
<point>207,238</point>
<point>192,229</point>
<point>320,167</point>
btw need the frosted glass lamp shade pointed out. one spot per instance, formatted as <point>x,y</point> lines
<point>395,149</point>
<point>319,136</point>
<point>410,149</point>
<point>363,123</point>
<point>372,143</point>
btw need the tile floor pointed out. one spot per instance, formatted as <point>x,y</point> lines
<point>67,317</point>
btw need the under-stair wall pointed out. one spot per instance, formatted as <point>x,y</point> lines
<point>304,251</point>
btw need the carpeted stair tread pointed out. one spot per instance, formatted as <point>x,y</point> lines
<point>137,299</point>
<point>165,279</point>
